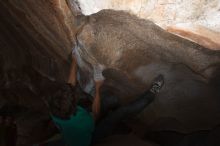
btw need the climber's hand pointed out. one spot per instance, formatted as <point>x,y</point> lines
<point>74,51</point>
<point>97,74</point>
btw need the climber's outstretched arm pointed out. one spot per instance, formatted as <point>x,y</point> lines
<point>73,70</point>
<point>99,79</point>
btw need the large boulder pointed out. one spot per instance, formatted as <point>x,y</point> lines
<point>196,20</point>
<point>35,41</point>
<point>134,51</point>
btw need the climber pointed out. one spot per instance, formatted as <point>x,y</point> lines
<point>77,124</point>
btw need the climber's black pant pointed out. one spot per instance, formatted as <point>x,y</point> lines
<point>106,126</point>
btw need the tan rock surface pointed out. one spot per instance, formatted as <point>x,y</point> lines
<point>198,34</point>
<point>135,51</point>
<point>166,13</point>
<point>42,29</point>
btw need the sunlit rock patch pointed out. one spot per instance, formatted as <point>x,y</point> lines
<point>168,13</point>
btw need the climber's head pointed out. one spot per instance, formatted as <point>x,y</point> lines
<point>63,102</point>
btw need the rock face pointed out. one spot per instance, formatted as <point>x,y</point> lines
<point>135,51</point>
<point>162,12</point>
<point>199,34</point>
<point>37,37</point>
<point>35,41</point>
<point>169,13</point>
<point>38,33</point>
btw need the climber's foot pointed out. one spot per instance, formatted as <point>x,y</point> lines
<point>157,84</point>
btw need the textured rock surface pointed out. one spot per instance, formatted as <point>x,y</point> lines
<point>135,51</point>
<point>36,37</point>
<point>38,33</point>
<point>199,34</point>
<point>165,13</point>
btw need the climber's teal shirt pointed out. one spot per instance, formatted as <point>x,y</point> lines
<point>76,131</point>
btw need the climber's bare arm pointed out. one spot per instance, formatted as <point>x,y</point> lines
<point>99,79</point>
<point>97,100</point>
<point>73,71</point>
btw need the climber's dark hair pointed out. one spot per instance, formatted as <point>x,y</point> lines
<point>63,101</point>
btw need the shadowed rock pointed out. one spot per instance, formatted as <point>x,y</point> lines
<point>135,51</point>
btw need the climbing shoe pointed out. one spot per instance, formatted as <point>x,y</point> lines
<point>157,84</point>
